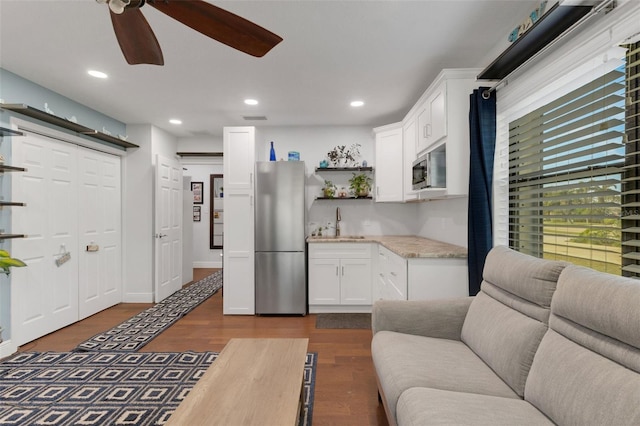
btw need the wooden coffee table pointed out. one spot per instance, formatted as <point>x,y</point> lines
<point>252,382</point>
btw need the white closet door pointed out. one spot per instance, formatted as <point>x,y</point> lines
<point>168,226</point>
<point>100,271</point>
<point>44,297</point>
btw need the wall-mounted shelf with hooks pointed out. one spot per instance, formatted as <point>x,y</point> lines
<point>66,124</point>
<point>11,236</point>
<point>5,168</point>
<point>9,132</point>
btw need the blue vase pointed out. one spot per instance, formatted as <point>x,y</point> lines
<point>272,153</point>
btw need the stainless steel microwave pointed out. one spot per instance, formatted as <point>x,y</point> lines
<point>421,173</point>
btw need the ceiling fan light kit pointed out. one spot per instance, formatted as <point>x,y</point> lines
<point>140,46</point>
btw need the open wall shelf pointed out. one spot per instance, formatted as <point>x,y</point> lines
<point>66,124</point>
<point>344,169</point>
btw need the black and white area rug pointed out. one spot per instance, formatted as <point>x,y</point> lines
<point>108,388</point>
<point>140,329</point>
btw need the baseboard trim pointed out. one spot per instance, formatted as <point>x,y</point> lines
<point>7,348</point>
<point>137,298</point>
<point>207,264</point>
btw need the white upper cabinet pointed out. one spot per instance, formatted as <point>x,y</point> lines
<point>239,157</point>
<point>389,186</point>
<point>441,118</point>
<point>409,141</point>
<point>432,118</point>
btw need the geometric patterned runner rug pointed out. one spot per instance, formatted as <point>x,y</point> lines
<point>108,388</point>
<point>139,330</point>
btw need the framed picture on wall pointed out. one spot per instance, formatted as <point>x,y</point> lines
<point>196,188</point>
<point>196,213</point>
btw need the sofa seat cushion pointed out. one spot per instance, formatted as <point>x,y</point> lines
<point>422,406</point>
<point>403,361</point>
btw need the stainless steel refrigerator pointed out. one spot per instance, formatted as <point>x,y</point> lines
<point>280,267</point>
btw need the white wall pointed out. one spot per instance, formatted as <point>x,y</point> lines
<point>137,223</point>
<point>203,256</point>
<point>313,143</point>
<point>200,144</point>
<point>138,209</point>
<point>444,220</point>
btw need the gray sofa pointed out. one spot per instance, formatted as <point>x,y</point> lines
<point>542,343</point>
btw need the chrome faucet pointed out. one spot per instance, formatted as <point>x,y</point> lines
<point>338,219</point>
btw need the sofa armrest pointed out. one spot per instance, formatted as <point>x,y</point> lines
<point>441,318</point>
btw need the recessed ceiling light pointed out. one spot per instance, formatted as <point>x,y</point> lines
<point>251,102</point>
<point>175,121</point>
<point>357,103</point>
<point>97,74</point>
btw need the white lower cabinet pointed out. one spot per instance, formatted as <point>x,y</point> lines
<point>340,277</point>
<point>400,278</point>
<point>392,275</point>
<point>348,277</point>
<point>437,278</point>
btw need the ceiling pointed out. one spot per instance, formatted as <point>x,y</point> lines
<point>384,53</point>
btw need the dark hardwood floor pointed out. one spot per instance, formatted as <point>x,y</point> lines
<point>345,390</point>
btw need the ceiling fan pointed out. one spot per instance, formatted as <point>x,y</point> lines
<point>140,46</point>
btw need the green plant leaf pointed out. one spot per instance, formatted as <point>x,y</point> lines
<point>4,253</point>
<point>6,262</point>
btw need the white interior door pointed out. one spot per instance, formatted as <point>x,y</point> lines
<point>100,268</point>
<point>168,228</point>
<point>44,296</point>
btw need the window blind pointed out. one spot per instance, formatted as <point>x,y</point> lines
<point>631,183</point>
<point>566,161</point>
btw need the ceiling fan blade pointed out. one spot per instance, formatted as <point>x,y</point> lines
<point>220,25</point>
<point>136,39</point>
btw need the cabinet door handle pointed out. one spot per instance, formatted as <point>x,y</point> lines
<point>343,271</point>
<point>337,271</point>
<point>250,180</point>
<point>427,129</point>
<point>394,274</point>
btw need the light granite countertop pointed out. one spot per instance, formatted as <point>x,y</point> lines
<point>406,246</point>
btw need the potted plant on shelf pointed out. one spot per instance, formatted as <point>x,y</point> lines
<point>329,189</point>
<point>341,156</point>
<point>360,185</point>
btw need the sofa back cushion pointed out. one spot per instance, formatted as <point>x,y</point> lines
<point>508,318</point>
<point>587,368</point>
